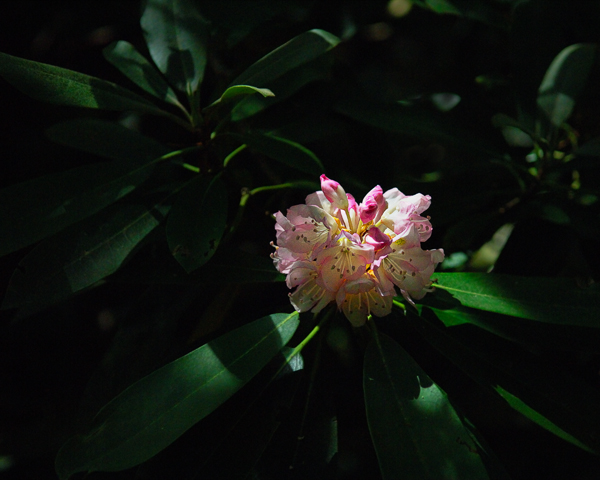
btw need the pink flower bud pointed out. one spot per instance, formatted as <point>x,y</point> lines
<point>371,205</point>
<point>334,192</point>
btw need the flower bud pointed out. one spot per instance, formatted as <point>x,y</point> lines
<point>334,192</point>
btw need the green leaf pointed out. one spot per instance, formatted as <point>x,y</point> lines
<point>283,150</point>
<point>156,410</point>
<point>301,49</point>
<point>80,256</point>
<point>416,122</point>
<point>197,222</point>
<point>66,87</point>
<point>547,394</point>
<point>240,91</point>
<point>564,80</point>
<point>415,430</point>
<point>106,139</point>
<point>176,35</point>
<point>134,66</point>
<point>41,207</point>
<point>551,300</point>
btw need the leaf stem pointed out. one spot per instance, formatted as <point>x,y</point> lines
<point>229,157</point>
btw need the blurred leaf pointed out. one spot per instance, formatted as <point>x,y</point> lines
<point>283,150</point>
<point>301,49</point>
<point>240,91</point>
<point>106,139</point>
<point>417,122</point>
<point>41,207</point>
<point>564,80</point>
<point>438,6</point>
<point>66,87</point>
<point>80,256</point>
<point>547,394</point>
<point>134,66</point>
<point>153,412</point>
<point>544,299</point>
<point>197,222</point>
<point>176,35</point>
<point>590,148</point>
<point>415,430</point>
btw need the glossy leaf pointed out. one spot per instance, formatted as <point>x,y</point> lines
<point>41,207</point>
<point>551,300</point>
<point>529,385</point>
<point>66,87</point>
<point>301,49</point>
<point>106,139</point>
<point>80,256</point>
<point>564,80</point>
<point>153,412</point>
<point>176,35</point>
<point>283,150</point>
<point>415,430</point>
<point>197,222</point>
<point>240,91</point>
<point>139,70</point>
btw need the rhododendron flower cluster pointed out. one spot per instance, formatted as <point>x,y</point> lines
<point>333,249</point>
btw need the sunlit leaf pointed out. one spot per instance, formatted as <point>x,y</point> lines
<point>547,394</point>
<point>301,49</point>
<point>156,410</point>
<point>80,256</point>
<point>176,35</point>
<point>564,80</point>
<point>38,208</point>
<point>139,70</point>
<point>283,150</point>
<point>197,222</point>
<point>240,91</point>
<point>106,139</point>
<point>66,87</point>
<point>544,299</point>
<point>415,430</point>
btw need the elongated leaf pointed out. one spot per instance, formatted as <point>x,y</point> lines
<point>41,207</point>
<point>80,256</point>
<point>417,122</point>
<point>551,300</point>
<point>159,408</point>
<point>134,66</point>
<point>301,49</point>
<point>197,222</point>
<point>564,80</point>
<point>240,91</point>
<point>283,150</point>
<point>176,35</point>
<point>415,430</point>
<point>547,394</point>
<point>106,139</point>
<point>66,87</point>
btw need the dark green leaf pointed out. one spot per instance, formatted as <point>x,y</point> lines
<point>80,256</point>
<point>547,394</point>
<point>416,122</point>
<point>176,35</point>
<point>415,430</point>
<point>240,91</point>
<point>551,300</point>
<point>301,49</point>
<point>564,80</point>
<point>106,139</point>
<point>159,408</point>
<point>66,87</point>
<point>285,151</point>
<point>41,207</point>
<point>134,66</point>
<point>197,222</point>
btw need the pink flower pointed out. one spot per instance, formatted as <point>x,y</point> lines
<point>333,249</point>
